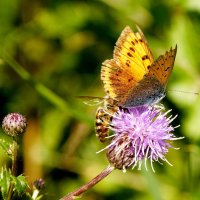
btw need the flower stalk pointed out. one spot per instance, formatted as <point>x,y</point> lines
<point>141,134</point>
<point>14,125</point>
<point>89,185</point>
<point>14,166</point>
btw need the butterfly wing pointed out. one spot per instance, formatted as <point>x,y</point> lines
<point>151,89</point>
<point>132,59</point>
<point>132,52</point>
<point>163,66</point>
<point>117,81</point>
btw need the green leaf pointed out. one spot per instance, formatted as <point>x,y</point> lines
<point>20,184</point>
<point>4,144</point>
<point>7,147</point>
<point>5,180</point>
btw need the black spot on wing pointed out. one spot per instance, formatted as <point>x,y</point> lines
<point>145,57</point>
<point>132,49</point>
<point>129,54</point>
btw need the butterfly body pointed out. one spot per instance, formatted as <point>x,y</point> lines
<point>132,77</point>
<point>148,92</point>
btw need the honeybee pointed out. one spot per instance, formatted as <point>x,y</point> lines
<point>104,114</point>
<point>104,117</point>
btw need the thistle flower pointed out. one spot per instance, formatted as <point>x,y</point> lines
<point>140,134</point>
<point>38,185</point>
<point>14,124</point>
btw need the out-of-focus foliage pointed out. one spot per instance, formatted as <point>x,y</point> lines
<point>20,184</point>
<point>59,46</point>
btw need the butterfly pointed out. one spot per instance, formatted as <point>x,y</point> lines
<point>132,77</point>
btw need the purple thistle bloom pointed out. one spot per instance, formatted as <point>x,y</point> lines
<point>140,134</point>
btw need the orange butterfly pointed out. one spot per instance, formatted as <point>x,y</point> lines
<point>132,77</point>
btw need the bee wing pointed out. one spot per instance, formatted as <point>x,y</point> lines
<point>91,101</point>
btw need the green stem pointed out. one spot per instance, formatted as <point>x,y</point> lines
<point>88,185</point>
<point>14,167</point>
<point>43,90</point>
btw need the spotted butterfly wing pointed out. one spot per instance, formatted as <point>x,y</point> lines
<point>131,61</point>
<point>151,89</point>
<point>163,66</point>
<point>132,77</point>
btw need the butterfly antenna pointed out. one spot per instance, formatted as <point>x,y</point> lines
<point>195,93</point>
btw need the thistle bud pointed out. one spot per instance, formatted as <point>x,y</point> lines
<point>14,124</point>
<point>39,184</point>
<point>120,154</point>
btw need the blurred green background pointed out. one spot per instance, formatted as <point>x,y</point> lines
<point>51,52</point>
